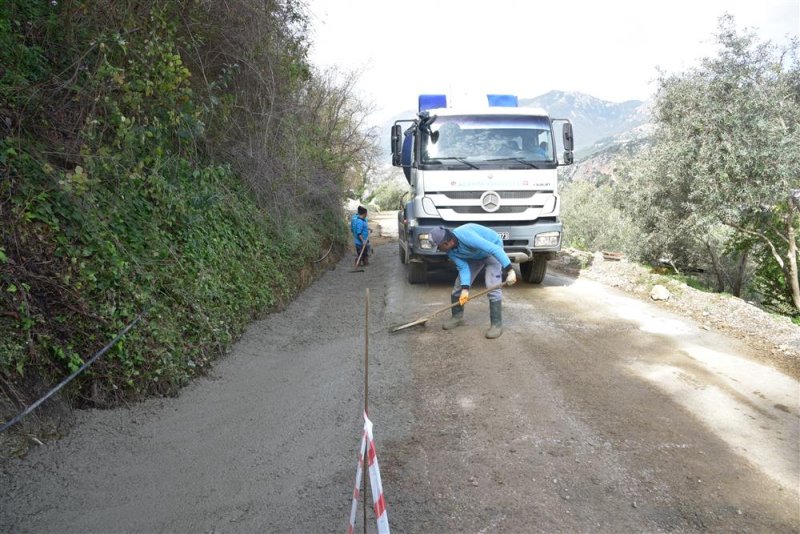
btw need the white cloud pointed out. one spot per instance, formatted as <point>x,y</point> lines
<point>609,49</point>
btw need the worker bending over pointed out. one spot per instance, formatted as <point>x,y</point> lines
<point>473,247</point>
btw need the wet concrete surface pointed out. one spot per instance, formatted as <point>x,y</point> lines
<point>593,412</point>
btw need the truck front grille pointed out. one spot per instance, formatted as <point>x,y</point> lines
<point>476,195</point>
<point>478,209</point>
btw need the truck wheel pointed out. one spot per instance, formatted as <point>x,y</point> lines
<point>417,272</point>
<point>533,271</point>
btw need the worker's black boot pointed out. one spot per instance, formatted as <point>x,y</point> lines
<point>496,316</point>
<point>458,315</point>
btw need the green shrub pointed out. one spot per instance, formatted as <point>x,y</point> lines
<point>388,195</point>
<point>110,208</point>
<point>591,222</point>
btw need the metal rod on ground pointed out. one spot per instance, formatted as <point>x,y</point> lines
<point>366,403</point>
<point>67,380</point>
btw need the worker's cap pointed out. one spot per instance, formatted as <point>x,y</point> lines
<point>440,235</point>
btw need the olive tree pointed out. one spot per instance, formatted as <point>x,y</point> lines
<point>591,222</point>
<point>725,153</point>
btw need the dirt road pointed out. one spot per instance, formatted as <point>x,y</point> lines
<point>594,412</point>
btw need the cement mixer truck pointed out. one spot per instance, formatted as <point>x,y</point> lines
<point>487,161</point>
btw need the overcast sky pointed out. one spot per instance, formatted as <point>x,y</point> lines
<point>609,49</point>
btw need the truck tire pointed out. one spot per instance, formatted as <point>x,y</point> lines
<point>417,272</point>
<point>533,271</point>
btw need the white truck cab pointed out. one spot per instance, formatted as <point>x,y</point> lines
<point>492,163</point>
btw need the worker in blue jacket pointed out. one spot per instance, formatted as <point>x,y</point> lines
<point>359,226</point>
<point>473,247</point>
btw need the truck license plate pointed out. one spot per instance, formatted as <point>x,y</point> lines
<point>503,235</point>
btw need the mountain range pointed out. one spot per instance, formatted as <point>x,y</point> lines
<point>593,119</point>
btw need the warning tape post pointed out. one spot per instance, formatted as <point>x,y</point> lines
<point>378,500</point>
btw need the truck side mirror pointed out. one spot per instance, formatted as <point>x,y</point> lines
<point>406,155</point>
<point>569,142</point>
<point>397,139</point>
<point>568,139</point>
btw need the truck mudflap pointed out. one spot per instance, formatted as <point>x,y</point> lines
<point>417,272</point>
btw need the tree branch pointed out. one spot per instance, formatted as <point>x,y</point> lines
<point>760,236</point>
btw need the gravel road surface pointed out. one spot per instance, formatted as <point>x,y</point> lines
<point>594,412</point>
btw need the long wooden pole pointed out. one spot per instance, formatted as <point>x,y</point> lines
<point>366,356</point>
<point>366,404</point>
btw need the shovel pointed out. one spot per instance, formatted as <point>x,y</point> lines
<point>358,260</point>
<point>427,318</point>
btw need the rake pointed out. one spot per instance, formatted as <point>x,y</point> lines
<point>427,318</point>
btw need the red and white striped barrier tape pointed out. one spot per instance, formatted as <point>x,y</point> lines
<point>378,501</point>
<point>353,507</point>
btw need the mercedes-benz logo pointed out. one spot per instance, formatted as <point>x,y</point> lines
<point>490,201</point>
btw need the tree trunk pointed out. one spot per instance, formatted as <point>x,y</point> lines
<point>791,266</point>
<point>738,282</point>
<point>718,269</point>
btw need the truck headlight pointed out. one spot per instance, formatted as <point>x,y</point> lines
<point>550,205</point>
<point>546,240</point>
<point>425,241</point>
<point>429,207</point>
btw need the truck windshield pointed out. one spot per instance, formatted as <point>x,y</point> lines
<point>489,139</point>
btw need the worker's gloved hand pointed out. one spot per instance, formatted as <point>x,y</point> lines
<point>509,276</point>
<point>464,297</point>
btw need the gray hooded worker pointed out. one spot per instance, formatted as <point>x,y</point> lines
<point>473,247</point>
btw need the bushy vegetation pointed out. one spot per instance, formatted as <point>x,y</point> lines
<point>389,195</point>
<point>175,159</point>
<point>717,187</point>
<point>593,222</point>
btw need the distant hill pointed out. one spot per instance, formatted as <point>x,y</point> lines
<point>592,119</point>
<point>600,166</point>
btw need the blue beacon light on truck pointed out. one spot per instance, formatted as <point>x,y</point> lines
<point>432,102</point>
<point>427,102</point>
<point>503,101</point>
